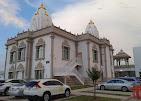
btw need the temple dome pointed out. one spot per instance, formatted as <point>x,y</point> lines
<point>91,28</point>
<point>40,19</point>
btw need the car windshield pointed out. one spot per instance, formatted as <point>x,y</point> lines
<point>31,83</point>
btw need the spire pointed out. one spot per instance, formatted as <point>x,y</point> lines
<point>91,22</point>
<point>42,6</point>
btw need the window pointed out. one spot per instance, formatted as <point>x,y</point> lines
<point>119,81</point>
<point>95,55</point>
<point>12,56</point>
<point>38,74</point>
<point>58,83</point>
<point>15,81</point>
<point>65,53</point>
<point>52,83</point>
<point>21,54</point>
<point>112,81</point>
<point>11,75</point>
<point>40,51</point>
<point>31,83</point>
<point>65,50</point>
<point>49,83</point>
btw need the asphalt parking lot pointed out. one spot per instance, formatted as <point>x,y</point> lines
<point>76,93</point>
<point>13,98</point>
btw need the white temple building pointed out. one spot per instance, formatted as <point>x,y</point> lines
<point>47,51</point>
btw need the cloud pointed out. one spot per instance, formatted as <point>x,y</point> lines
<point>8,14</point>
<point>117,20</point>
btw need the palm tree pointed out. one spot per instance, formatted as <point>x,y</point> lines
<point>94,75</point>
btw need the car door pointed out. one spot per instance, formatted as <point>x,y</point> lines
<point>118,84</point>
<point>50,86</point>
<point>60,87</point>
<point>110,84</point>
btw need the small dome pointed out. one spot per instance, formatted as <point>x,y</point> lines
<point>91,28</point>
<point>40,19</point>
<point>121,54</point>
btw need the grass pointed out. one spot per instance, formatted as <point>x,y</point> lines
<point>90,98</point>
<point>107,93</point>
<point>80,87</point>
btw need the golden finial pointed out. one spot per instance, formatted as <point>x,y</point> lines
<point>89,26</point>
<point>46,13</point>
<point>34,19</point>
<point>37,13</point>
<point>91,22</point>
<point>42,6</point>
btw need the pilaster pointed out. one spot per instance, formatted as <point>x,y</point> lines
<point>52,54</point>
<point>88,51</point>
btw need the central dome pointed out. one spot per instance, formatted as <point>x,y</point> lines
<point>40,19</point>
<point>91,28</point>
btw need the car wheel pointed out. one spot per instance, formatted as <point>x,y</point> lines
<point>46,97</point>
<point>67,93</point>
<point>102,87</point>
<point>124,89</point>
<point>6,91</point>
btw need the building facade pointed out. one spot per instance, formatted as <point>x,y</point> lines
<point>137,60</point>
<point>47,51</point>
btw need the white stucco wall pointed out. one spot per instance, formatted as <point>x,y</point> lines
<point>137,60</point>
<point>103,62</point>
<point>60,64</point>
<point>8,65</point>
<point>82,48</point>
<point>47,40</point>
<point>108,62</point>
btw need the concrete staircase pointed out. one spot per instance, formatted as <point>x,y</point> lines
<point>71,71</point>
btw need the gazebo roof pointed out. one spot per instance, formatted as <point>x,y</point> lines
<point>121,54</point>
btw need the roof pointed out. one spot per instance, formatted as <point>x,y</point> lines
<point>121,54</point>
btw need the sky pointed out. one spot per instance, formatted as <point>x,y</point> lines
<point>117,20</point>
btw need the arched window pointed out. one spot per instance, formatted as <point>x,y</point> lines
<point>95,53</point>
<point>21,51</point>
<point>65,50</point>
<point>40,49</point>
<point>11,72</point>
<point>39,71</point>
<point>13,54</point>
<point>20,72</point>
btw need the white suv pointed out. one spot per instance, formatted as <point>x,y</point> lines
<point>4,87</point>
<point>45,88</point>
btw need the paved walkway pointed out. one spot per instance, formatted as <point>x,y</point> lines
<point>80,92</point>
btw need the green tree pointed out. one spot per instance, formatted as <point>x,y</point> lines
<point>94,75</point>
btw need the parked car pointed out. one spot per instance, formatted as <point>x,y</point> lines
<point>135,80</point>
<point>4,87</point>
<point>2,81</point>
<point>116,84</point>
<point>45,88</point>
<point>17,90</point>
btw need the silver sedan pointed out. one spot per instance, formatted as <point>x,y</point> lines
<point>16,90</point>
<point>116,84</point>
